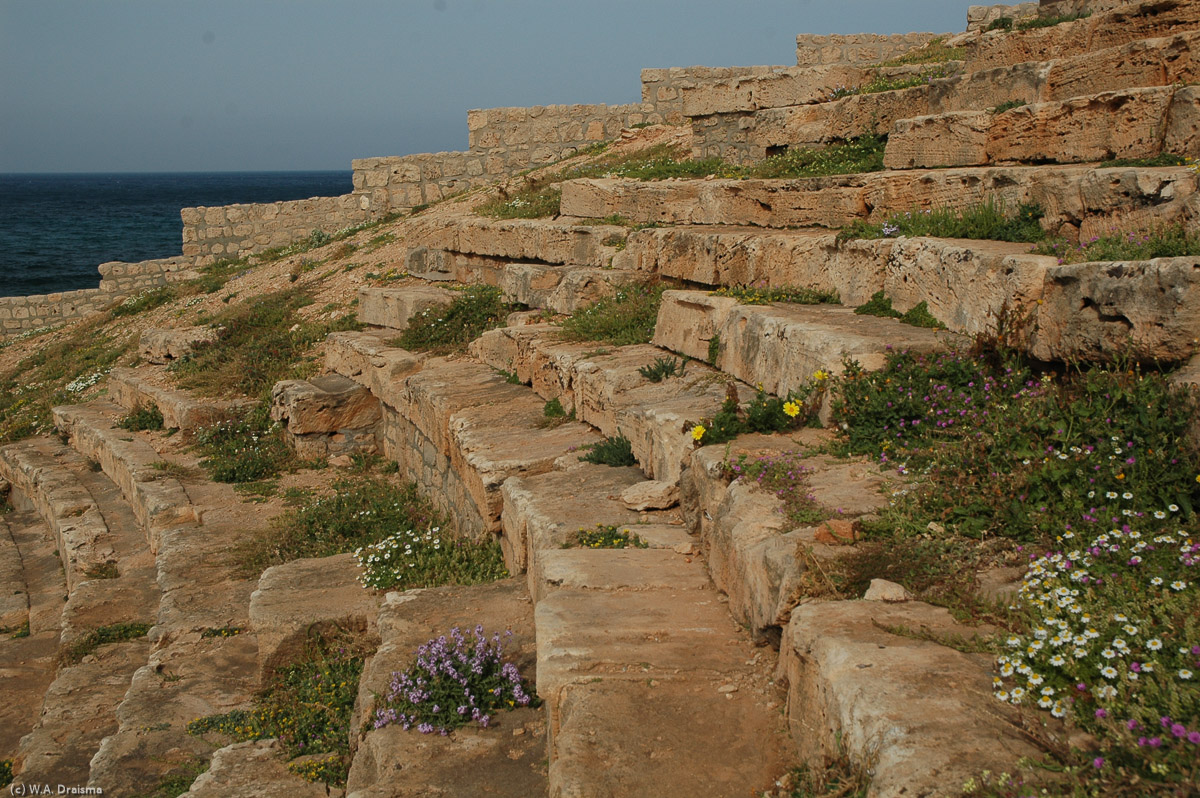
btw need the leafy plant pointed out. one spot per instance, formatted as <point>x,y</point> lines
<point>142,418</point>
<point>714,349</point>
<point>453,683</point>
<point>449,328</point>
<point>249,449</point>
<point>1173,241</point>
<point>1162,159</point>
<point>855,156</point>
<point>935,51</point>
<point>1008,105</point>
<point>616,451</point>
<point>662,368</point>
<point>785,475</point>
<point>146,300</point>
<point>763,295</point>
<point>626,317</point>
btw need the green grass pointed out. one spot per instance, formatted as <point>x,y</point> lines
<point>627,317</point>
<point>179,780</point>
<point>89,642</point>
<point>449,328</point>
<point>247,449</point>
<point>855,156</point>
<point>1162,159</point>
<point>1049,22</point>
<point>989,220</point>
<point>424,556</point>
<point>935,51</point>
<point>259,342</point>
<point>146,300</point>
<point>1008,105</point>
<point>306,706</point>
<point>881,305</point>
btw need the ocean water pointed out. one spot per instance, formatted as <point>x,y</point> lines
<point>55,229</point>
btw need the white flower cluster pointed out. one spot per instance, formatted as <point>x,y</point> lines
<point>386,563</point>
<point>82,383</point>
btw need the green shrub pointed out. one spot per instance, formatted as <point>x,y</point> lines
<point>6,772</point>
<point>761,295</point>
<point>878,305</point>
<point>609,536</point>
<point>919,316</point>
<point>616,452</point>
<point>627,317</point>
<point>662,368</point>
<point>714,349</point>
<point>142,418</point>
<point>1002,23</point>
<point>449,328</point>
<point>248,449</point>
<point>764,413</point>
<point>1008,105</point>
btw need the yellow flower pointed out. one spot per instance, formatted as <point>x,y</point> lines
<point>699,430</point>
<point>1120,476</point>
<point>820,375</point>
<point>791,409</point>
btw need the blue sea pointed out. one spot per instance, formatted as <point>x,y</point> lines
<point>55,229</point>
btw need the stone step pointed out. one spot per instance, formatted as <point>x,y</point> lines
<point>749,130</point>
<point>639,663</point>
<point>1132,123</point>
<point>394,307</point>
<point>507,759</point>
<point>252,769</point>
<point>33,588</point>
<point>158,501</point>
<point>559,241</point>
<point>458,429</point>
<point>1092,201</point>
<point>77,713</point>
<point>780,346</point>
<point>604,387</point>
<point>132,389</point>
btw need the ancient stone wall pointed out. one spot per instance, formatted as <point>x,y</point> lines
<point>117,281</point>
<point>232,231</point>
<point>523,137</point>
<point>856,48</point>
<point>401,182</point>
<point>980,17</point>
<point>1057,8</point>
<point>664,88</point>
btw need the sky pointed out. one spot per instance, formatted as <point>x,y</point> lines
<point>265,85</point>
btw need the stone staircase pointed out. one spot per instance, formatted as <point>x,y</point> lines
<point>698,664</point>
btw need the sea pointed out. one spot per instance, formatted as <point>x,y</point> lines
<point>55,229</point>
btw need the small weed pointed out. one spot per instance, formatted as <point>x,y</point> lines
<point>174,470</point>
<point>881,83</point>
<point>6,772</point>
<point>878,305</point>
<point>1162,159</point>
<point>785,475</point>
<point>553,414</point>
<point>221,631</point>
<point>1049,22</point>
<point>257,492</point>
<point>214,276</point>
<point>142,418</point>
<point>714,349</point>
<point>428,557</point>
<point>919,316</point>
<point>1001,23</point>
<point>17,631</point>
<point>616,451</point>
<point>179,780</point>
<point>1008,105</point>
<point>104,570</point>
<point>249,449</point>
<point>510,377</point>
<point>608,536</point>
<point>838,777</point>
<point>449,328</point>
<point>362,463</point>
<point>935,51</point>
<point>114,633</point>
<point>662,368</point>
<point>627,317</point>
<point>764,413</point>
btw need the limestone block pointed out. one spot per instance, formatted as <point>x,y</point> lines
<point>1183,123</point>
<point>164,345</point>
<point>252,770</point>
<point>395,307</point>
<point>324,404</point>
<point>1146,309</point>
<point>688,321</point>
<point>953,139</point>
<point>651,495</point>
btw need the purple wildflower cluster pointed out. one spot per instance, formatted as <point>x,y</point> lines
<point>453,682</point>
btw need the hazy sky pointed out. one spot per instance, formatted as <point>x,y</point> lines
<point>214,85</point>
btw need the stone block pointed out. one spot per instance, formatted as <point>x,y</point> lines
<point>395,307</point>
<point>324,405</point>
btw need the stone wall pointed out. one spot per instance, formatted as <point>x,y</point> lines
<point>402,182</point>
<point>979,17</point>
<point>856,48</point>
<point>1056,8</point>
<point>232,231</point>
<point>524,137</point>
<point>664,88</point>
<point>117,281</point>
